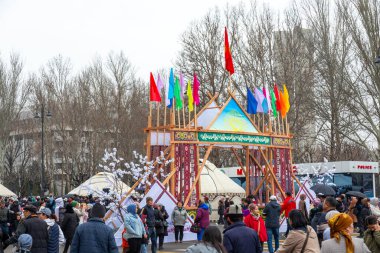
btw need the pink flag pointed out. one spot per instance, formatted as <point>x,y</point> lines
<point>196,85</point>
<point>160,84</point>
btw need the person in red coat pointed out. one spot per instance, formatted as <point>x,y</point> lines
<point>256,222</point>
<point>288,205</point>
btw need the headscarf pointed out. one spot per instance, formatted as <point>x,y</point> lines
<point>338,223</point>
<point>132,209</point>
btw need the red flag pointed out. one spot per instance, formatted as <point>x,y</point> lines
<point>278,100</point>
<point>227,53</point>
<point>154,93</point>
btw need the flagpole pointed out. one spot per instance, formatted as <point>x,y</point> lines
<point>287,124</point>
<point>158,120</point>
<point>164,124</point>
<point>183,114</point>
<point>195,117</point>
<point>263,123</point>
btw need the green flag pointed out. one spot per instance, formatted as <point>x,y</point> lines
<point>177,94</point>
<point>273,100</point>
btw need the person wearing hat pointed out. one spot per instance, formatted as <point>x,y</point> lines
<point>94,236</point>
<point>68,225</point>
<point>272,211</point>
<point>56,236</point>
<point>24,244</point>
<point>341,241</point>
<point>237,237</point>
<point>35,227</point>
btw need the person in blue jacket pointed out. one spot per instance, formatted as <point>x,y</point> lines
<point>94,236</point>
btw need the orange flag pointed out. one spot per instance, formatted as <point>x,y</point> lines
<point>227,53</point>
<point>283,104</point>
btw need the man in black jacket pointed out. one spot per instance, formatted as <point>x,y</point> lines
<point>150,221</point>
<point>33,226</point>
<point>272,211</point>
<point>237,237</point>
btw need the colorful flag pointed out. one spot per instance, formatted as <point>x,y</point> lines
<point>190,98</point>
<point>283,104</point>
<point>273,100</point>
<point>259,98</point>
<point>251,102</point>
<point>227,53</point>
<point>264,104</point>
<point>170,89</point>
<point>160,84</point>
<point>154,94</point>
<point>182,84</point>
<point>267,95</point>
<point>177,94</point>
<point>286,96</point>
<point>278,101</point>
<point>196,85</point>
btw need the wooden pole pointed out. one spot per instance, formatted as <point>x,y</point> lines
<point>198,175</point>
<point>158,122</point>
<point>165,125</point>
<point>184,118</point>
<point>247,173</point>
<point>179,119</point>
<point>173,169</point>
<point>189,119</point>
<point>195,117</point>
<point>149,132</point>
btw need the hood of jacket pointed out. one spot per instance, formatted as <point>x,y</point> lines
<point>50,222</point>
<point>204,206</point>
<point>59,202</point>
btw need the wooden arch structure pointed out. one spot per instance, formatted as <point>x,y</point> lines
<point>260,143</point>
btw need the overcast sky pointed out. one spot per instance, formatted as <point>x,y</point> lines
<point>148,32</point>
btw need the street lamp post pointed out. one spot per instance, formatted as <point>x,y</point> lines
<point>42,117</point>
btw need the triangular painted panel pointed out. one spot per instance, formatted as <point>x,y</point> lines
<point>232,118</point>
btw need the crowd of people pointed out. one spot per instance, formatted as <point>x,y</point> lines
<point>44,225</point>
<point>327,226</point>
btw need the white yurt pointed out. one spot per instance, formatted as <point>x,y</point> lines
<point>215,184</point>
<point>5,192</point>
<point>98,183</point>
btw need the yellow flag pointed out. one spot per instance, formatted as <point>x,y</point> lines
<point>190,96</point>
<point>286,99</point>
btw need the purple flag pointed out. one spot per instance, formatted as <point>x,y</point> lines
<point>160,84</point>
<point>260,98</point>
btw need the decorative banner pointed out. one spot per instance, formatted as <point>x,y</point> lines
<point>236,138</point>
<point>177,159</point>
<point>283,169</point>
<point>280,141</point>
<point>232,118</point>
<point>185,136</point>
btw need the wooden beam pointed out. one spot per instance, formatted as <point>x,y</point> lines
<point>198,175</point>
<point>239,161</point>
<point>247,170</point>
<point>271,172</point>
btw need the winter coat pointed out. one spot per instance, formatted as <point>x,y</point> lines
<point>94,236</point>
<point>295,240</point>
<point>272,211</point>
<point>288,205</point>
<point>209,208</point>
<point>160,230</point>
<point>221,209</point>
<point>165,216</point>
<point>365,212</point>
<point>257,223</point>
<point>54,236</point>
<point>375,210</point>
<point>134,226</point>
<point>245,211</point>
<point>179,216</point>
<point>15,208</point>
<point>238,238</point>
<point>203,216</point>
<point>149,212</point>
<point>372,240</point>
<point>38,230</point>
<point>4,215</point>
<point>58,204</point>
<point>201,248</point>
<point>69,224</point>
<point>332,246</point>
